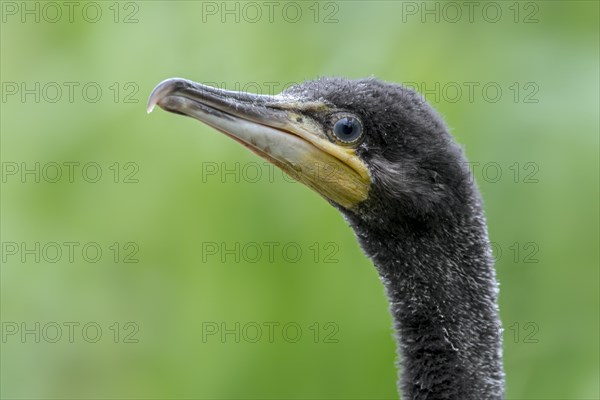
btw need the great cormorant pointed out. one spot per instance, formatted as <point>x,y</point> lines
<point>384,158</point>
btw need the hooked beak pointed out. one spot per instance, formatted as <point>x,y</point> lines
<point>278,129</point>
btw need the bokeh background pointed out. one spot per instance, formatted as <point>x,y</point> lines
<point>184,217</point>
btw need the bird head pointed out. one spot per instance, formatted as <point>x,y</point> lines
<point>368,147</point>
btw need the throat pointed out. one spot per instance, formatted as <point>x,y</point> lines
<point>442,290</point>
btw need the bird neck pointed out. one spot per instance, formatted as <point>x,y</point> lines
<point>441,285</point>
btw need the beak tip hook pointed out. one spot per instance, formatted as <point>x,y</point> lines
<point>150,106</point>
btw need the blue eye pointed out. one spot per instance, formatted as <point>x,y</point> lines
<point>347,129</point>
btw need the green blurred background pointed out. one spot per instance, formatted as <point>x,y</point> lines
<point>167,201</point>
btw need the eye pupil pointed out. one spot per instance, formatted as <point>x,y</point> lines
<point>347,129</point>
